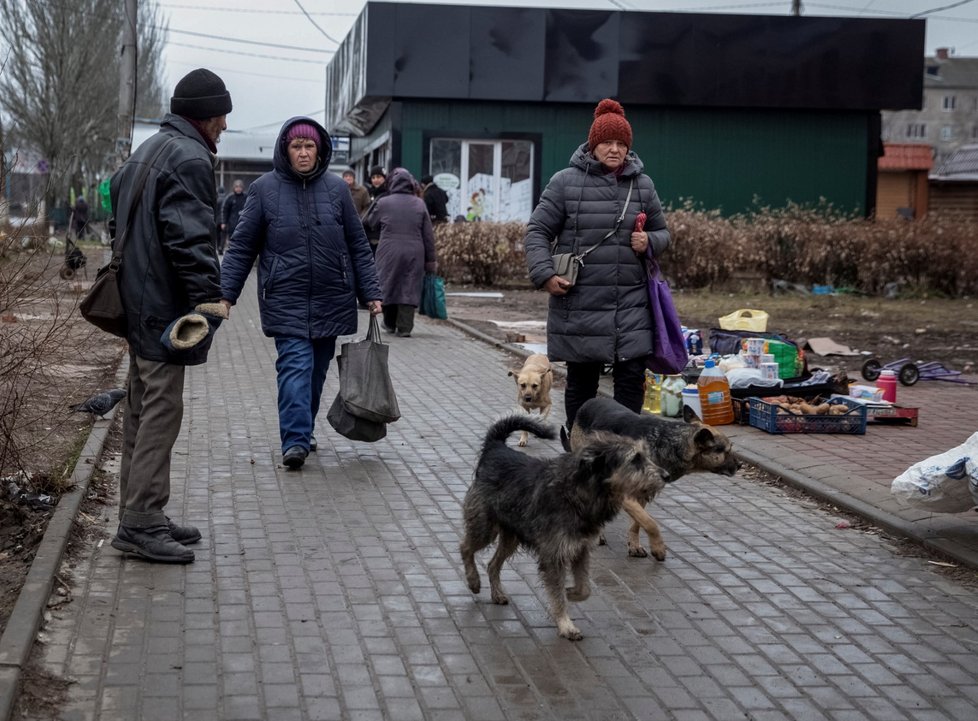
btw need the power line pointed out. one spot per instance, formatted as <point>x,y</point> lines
<point>242,40</point>
<point>251,55</point>
<point>233,9</point>
<point>245,72</point>
<point>315,24</point>
<point>937,10</point>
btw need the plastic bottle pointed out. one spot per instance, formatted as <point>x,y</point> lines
<point>714,392</point>
<point>887,382</point>
<point>653,385</point>
<point>671,396</point>
<point>691,399</point>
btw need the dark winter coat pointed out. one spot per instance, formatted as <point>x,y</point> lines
<point>436,201</point>
<point>314,261</point>
<point>233,205</point>
<point>605,316</point>
<point>169,259</point>
<point>407,241</point>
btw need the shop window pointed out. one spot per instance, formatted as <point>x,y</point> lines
<point>484,179</point>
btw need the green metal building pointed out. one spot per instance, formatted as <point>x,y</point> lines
<point>726,110</point>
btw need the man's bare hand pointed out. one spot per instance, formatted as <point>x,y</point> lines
<point>227,305</point>
<point>374,306</point>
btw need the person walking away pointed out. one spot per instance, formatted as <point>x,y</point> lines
<point>406,250</point>
<point>435,200</point>
<point>170,269</point>
<point>314,262</point>
<point>80,218</point>
<point>361,198</point>
<point>590,207</point>
<point>231,211</point>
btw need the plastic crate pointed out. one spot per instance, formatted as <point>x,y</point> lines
<point>765,416</point>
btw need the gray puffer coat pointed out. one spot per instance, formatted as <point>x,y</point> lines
<point>605,316</point>
<point>313,258</point>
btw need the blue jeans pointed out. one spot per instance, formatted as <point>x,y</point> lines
<point>301,366</point>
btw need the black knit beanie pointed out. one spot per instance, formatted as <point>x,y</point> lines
<point>200,94</point>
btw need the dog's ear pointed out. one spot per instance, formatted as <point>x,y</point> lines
<point>564,439</point>
<point>704,437</point>
<point>689,415</point>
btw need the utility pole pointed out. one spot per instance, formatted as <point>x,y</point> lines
<point>796,7</point>
<point>127,81</point>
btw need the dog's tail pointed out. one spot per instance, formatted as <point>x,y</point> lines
<point>500,430</point>
<point>564,439</point>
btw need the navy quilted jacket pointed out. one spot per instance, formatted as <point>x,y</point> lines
<point>314,261</point>
<point>605,316</point>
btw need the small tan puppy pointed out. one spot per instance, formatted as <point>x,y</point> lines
<point>533,383</point>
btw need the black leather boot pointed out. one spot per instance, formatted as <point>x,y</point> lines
<point>153,544</point>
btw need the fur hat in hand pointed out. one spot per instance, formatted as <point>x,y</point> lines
<point>190,330</point>
<point>609,124</point>
<point>200,94</point>
<point>186,332</point>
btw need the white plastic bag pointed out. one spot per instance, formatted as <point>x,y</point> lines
<point>945,483</point>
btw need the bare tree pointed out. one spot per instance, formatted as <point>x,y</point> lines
<point>60,85</point>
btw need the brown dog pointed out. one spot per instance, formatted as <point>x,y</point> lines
<point>677,447</point>
<point>533,383</point>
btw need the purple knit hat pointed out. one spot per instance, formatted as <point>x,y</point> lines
<point>303,130</point>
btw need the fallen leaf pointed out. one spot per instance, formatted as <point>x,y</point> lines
<point>843,524</point>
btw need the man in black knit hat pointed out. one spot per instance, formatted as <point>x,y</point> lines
<point>169,271</point>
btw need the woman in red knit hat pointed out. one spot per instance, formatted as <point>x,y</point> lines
<point>589,210</point>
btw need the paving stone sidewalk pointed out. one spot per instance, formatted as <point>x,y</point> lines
<point>336,592</point>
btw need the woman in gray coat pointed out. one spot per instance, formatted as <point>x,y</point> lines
<point>590,209</point>
<point>405,252</point>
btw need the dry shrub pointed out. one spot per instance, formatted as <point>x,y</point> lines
<point>798,244</point>
<point>480,253</point>
<point>46,360</point>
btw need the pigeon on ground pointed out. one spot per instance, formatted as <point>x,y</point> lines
<point>101,403</point>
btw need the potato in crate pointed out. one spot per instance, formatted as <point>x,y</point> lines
<point>789,414</point>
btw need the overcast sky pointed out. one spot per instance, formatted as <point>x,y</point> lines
<point>270,84</point>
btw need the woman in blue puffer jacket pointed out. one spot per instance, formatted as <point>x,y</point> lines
<point>314,264</point>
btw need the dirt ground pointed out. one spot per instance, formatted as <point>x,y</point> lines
<point>945,331</point>
<point>60,360</point>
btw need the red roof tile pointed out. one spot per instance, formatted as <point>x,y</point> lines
<point>909,156</point>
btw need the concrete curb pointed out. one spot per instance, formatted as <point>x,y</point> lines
<point>888,521</point>
<point>25,619</point>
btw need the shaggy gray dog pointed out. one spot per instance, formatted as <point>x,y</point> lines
<point>552,507</point>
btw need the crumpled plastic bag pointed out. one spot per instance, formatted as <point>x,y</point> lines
<point>747,377</point>
<point>945,483</point>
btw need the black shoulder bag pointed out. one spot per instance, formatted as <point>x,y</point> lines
<point>102,305</point>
